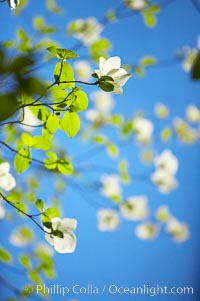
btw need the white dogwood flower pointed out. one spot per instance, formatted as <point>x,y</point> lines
<point>110,186</point>
<point>13,3</point>
<point>29,121</point>
<point>135,208</point>
<point>167,161</point>
<point>146,231</point>
<point>103,101</point>
<point>108,220</point>
<point>163,214</point>
<point>83,70</point>
<point>178,230</point>
<point>192,113</point>
<point>86,30</point>
<point>112,68</point>
<point>7,181</point>
<point>164,181</point>
<point>67,243</point>
<point>143,129</point>
<point>21,236</point>
<point>136,4</point>
<point>161,111</point>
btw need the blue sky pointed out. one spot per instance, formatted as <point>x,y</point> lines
<point>120,258</point>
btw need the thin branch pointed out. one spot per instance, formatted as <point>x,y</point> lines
<point>30,216</point>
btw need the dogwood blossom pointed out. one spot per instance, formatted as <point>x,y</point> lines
<point>143,129</point>
<point>163,214</point>
<point>103,104</point>
<point>178,230</point>
<point>136,4</point>
<point>164,181</point>
<point>192,113</point>
<point>29,120</point>
<point>135,208</point>
<point>83,70</point>
<point>103,101</point>
<point>7,181</point>
<point>108,220</point>
<point>146,231</point>
<point>161,111</point>
<point>87,31</point>
<point>110,186</point>
<point>13,3</point>
<point>167,161</point>
<point>67,244</point>
<point>21,236</point>
<point>111,68</point>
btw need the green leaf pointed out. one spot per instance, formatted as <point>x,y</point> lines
<point>166,134</point>
<point>64,73</point>
<point>80,102</point>
<point>25,261</point>
<point>51,161</point>
<point>63,54</point>
<point>46,221</point>
<point>34,276</point>
<point>26,139</point>
<point>196,69</point>
<point>148,61</point>
<point>51,212</point>
<point>5,255</point>
<point>52,123</point>
<point>107,87</point>
<point>113,150</point>
<point>41,112</point>
<point>41,143</point>
<point>58,233</point>
<point>71,123</point>
<point>22,160</point>
<point>39,204</point>
<point>149,19</point>
<point>65,167</point>
<point>9,104</point>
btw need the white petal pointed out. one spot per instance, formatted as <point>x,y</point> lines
<point>112,63</point>
<point>48,237</point>
<point>7,182</point>
<point>68,224</point>
<point>101,64</point>
<point>4,168</point>
<point>67,244</point>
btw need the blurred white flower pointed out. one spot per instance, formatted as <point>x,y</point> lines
<point>164,181</point>
<point>146,231</point>
<point>44,248</point>
<point>103,101</point>
<point>7,181</point>
<point>163,214</point>
<point>87,31</point>
<point>2,210</point>
<point>135,208</point>
<point>178,230</point>
<point>21,236</point>
<point>161,111</point>
<point>67,244</point>
<point>108,220</point>
<point>110,186</point>
<point>13,3</point>
<point>29,120</point>
<point>192,113</point>
<point>190,57</point>
<point>93,115</point>
<point>143,129</point>
<point>112,68</point>
<point>83,70</point>
<point>136,4</point>
<point>167,162</point>
<point>186,133</point>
